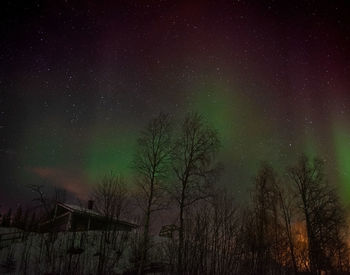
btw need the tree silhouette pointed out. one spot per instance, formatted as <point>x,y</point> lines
<point>17,221</point>
<point>110,197</point>
<point>151,163</point>
<point>192,160</point>
<point>6,220</point>
<point>322,211</point>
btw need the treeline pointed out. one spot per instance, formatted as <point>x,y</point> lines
<point>25,221</point>
<point>290,224</point>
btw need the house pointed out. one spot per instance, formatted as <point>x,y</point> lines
<point>69,217</point>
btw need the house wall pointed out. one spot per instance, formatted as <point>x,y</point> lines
<point>56,225</point>
<point>64,220</point>
<point>80,223</point>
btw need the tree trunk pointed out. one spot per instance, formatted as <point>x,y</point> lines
<point>146,233</point>
<point>181,234</point>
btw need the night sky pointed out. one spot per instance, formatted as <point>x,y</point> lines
<point>79,80</point>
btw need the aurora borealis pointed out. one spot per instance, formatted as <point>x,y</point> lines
<point>79,80</point>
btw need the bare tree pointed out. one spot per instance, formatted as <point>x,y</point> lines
<point>224,244</point>
<point>322,211</point>
<point>211,237</point>
<point>45,200</point>
<point>110,197</point>
<point>265,221</point>
<point>40,198</point>
<point>6,220</point>
<point>151,163</point>
<point>192,160</point>
<point>267,234</point>
<point>286,202</point>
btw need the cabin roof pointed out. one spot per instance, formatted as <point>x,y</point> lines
<point>77,209</point>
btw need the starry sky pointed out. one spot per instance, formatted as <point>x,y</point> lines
<point>79,80</point>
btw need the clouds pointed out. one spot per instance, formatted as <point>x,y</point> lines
<point>72,181</point>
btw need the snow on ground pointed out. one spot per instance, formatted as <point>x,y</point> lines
<point>66,253</point>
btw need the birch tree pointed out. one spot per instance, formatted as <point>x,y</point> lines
<point>193,164</point>
<point>151,163</point>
